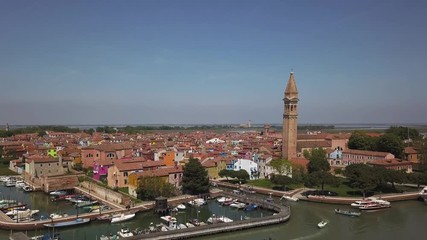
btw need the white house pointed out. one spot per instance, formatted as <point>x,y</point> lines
<point>249,166</point>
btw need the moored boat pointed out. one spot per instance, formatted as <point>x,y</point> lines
<point>122,217</point>
<point>347,212</point>
<point>181,207</point>
<point>289,198</point>
<point>125,232</point>
<point>77,221</point>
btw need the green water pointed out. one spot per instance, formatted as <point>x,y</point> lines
<point>405,220</point>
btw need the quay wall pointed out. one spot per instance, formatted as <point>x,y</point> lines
<point>105,193</point>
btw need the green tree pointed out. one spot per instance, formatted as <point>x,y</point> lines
<point>241,175</point>
<point>298,173</point>
<point>224,173</point>
<point>390,143</point>
<point>280,165</point>
<point>361,141</point>
<point>281,180</point>
<point>318,161</point>
<point>404,132</point>
<point>151,187</point>
<point>362,176</point>
<point>320,178</point>
<point>195,179</point>
<point>306,154</point>
<point>418,178</point>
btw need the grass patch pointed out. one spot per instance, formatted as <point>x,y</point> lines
<point>124,190</point>
<point>4,171</point>
<point>265,183</point>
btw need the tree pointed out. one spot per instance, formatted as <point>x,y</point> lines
<point>318,161</point>
<point>390,143</point>
<point>281,180</point>
<point>306,154</point>
<point>224,173</point>
<point>361,141</point>
<point>418,178</point>
<point>404,132</point>
<point>280,165</point>
<point>298,173</point>
<point>151,187</point>
<point>241,175</point>
<point>195,179</point>
<point>362,176</point>
<point>320,178</point>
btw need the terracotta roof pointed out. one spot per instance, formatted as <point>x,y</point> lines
<point>410,150</point>
<point>389,162</point>
<point>366,153</point>
<point>161,172</point>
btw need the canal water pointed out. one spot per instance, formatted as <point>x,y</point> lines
<point>404,220</point>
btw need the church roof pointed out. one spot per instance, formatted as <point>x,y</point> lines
<point>291,88</point>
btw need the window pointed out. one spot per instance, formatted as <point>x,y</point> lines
<point>125,174</point>
<point>126,181</point>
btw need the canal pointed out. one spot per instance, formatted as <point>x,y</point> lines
<point>404,220</point>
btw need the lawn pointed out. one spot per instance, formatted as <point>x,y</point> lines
<point>265,183</point>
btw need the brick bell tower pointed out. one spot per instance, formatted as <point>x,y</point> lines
<point>290,119</point>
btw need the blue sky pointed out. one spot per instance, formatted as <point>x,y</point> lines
<point>160,62</point>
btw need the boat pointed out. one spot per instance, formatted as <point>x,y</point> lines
<point>27,188</point>
<point>86,203</point>
<point>238,205</point>
<point>189,225</point>
<point>107,217</point>
<point>110,237</point>
<point>125,232</point>
<point>182,226</point>
<point>77,221</point>
<point>58,193</point>
<point>197,202</point>
<point>181,207</point>
<point>56,215</point>
<point>423,192</point>
<point>251,207</point>
<point>122,217</point>
<point>371,200</point>
<point>374,206</point>
<point>289,198</point>
<point>20,184</point>
<point>347,212</point>
<point>10,183</point>
<point>220,219</point>
<point>171,223</point>
<point>322,224</point>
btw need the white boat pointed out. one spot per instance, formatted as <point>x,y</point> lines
<point>181,207</point>
<point>322,224</point>
<point>189,225</point>
<point>220,219</point>
<point>171,223</point>
<point>423,192</point>
<point>224,199</point>
<point>238,205</point>
<point>125,232</point>
<point>123,217</point>
<point>374,206</point>
<point>58,193</point>
<point>20,184</point>
<point>182,226</point>
<point>197,202</point>
<point>10,183</point>
<point>27,188</point>
<point>22,213</point>
<point>370,201</point>
<point>289,198</point>
<point>56,215</point>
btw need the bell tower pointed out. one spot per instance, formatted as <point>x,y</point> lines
<point>290,119</point>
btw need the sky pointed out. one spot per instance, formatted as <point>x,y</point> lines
<point>211,61</point>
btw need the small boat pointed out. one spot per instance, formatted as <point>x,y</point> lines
<point>56,215</point>
<point>171,223</point>
<point>181,207</point>
<point>289,198</point>
<point>77,221</point>
<point>347,212</point>
<point>10,183</point>
<point>251,207</point>
<point>182,226</point>
<point>58,193</point>
<point>189,225</point>
<point>197,202</point>
<point>220,219</point>
<point>86,203</point>
<point>238,205</point>
<point>322,224</point>
<point>125,232</point>
<point>27,188</point>
<point>110,237</point>
<point>122,217</point>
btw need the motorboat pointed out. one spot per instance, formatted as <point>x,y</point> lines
<point>181,207</point>
<point>110,237</point>
<point>374,206</point>
<point>251,207</point>
<point>197,202</point>
<point>322,224</point>
<point>347,212</point>
<point>220,219</point>
<point>125,232</point>
<point>57,215</point>
<point>123,217</point>
<point>58,193</point>
<point>238,205</point>
<point>371,200</point>
<point>27,188</point>
<point>189,225</point>
<point>289,198</point>
<point>171,223</point>
<point>86,203</point>
<point>77,221</point>
<point>423,192</point>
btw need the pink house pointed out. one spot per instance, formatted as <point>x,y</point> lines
<point>100,169</point>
